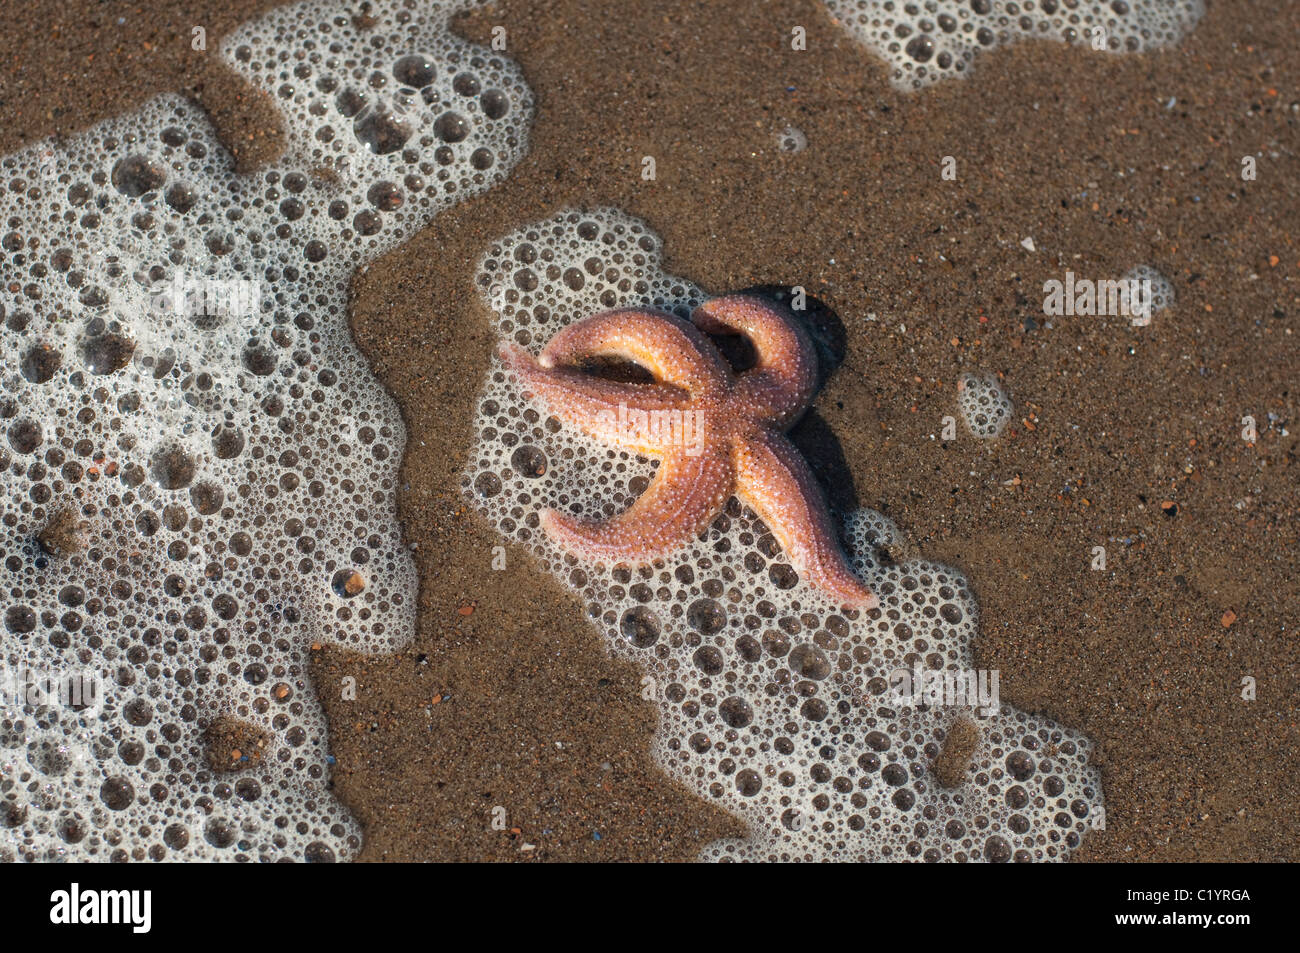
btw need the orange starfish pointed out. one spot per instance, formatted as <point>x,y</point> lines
<point>716,432</point>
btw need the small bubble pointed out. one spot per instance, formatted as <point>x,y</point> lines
<point>529,461</point>
<point>20,620</point>
<point>172,468</point>
<point>748,782</point>
<point>348,583</point>
<point>792,140</point>
<point>466,84</point>
<point>107,353</point>
<point>182,197</point>
<point>385,196</point>
<point>708,659</point>
<point>736,712</point>
<point>487,485</point>
<point>135,175</point>
<point>25,435</point>
<point>414,70</point>
<point>40,363</point>
<point>381,128</point>
<point>495,103</point>
<point>117,793</point>
<point>227,441</point>
<point>451,127</point>
<point>920,48</point>
<point>640,626</point>
<point>318,853</point>
<point>707,616</point>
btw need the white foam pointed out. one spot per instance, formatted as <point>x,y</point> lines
<point>925,41</point>
<point>1161,294</point>
<point>773,704</point>
<point>232,471</point>
<point>984,404</point>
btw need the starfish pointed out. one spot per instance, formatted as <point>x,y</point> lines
<point>717,433</point>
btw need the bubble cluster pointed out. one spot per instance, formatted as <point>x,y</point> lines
<point>791,139</point>
<point>984,405</point>
<point>1161,289</point>
<point>925,41</point>
<point>198,469</point>
<point>774,704</point>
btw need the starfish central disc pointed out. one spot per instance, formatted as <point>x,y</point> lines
<point>716,433</point>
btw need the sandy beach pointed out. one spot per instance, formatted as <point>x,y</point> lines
<point>1124,437</point>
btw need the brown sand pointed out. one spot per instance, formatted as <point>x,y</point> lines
<point>516,704</point>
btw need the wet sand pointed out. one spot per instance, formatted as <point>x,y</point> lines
<point>1123,437</point>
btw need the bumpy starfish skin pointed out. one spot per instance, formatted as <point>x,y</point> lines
<point>726,438</point>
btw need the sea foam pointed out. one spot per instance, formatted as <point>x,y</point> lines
<point>197,469</point>
<point>925,41</point>
<point>822,730</point>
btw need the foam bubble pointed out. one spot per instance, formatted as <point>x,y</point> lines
<point>194,495</point>
<point>984,405</point>
<point>791,139</point>
<point>1161,289</point>
<point>773,703</point>
<point>925,41</point>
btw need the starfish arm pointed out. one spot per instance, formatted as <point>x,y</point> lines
<point>683,498</point>
<point>649,418</point>
<point>673,351</point>
<point>780,386</point>
<point>773,479</point>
